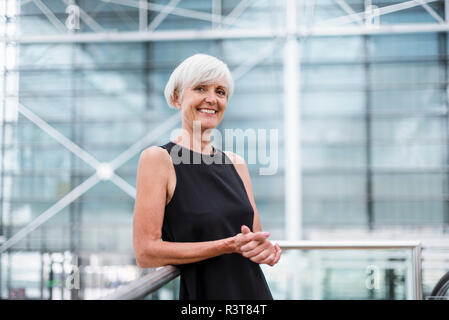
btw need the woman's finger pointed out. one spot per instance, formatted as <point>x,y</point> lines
<point>245,229</point>
<point>257,236</point>
<point>262,255</point>
<point>278,257</point>
<point>257,250</point>
<point>270,259</point>
<point>250,246</point>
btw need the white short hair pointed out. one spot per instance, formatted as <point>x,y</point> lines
<point>199,68</point>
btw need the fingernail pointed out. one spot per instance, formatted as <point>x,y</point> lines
<point>266,234</point>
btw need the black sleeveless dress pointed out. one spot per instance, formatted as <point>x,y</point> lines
<point>210,203</point>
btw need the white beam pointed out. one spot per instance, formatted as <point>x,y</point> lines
<point>185,35</point>
<point>133,36</point>
<point>347,8</point>
<point>292,133</point>
<point>381,29</point>
<point>50,16</point>
<point>230,19</point>
<point>430,11</point>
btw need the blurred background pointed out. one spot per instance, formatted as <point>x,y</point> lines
<point>358,91</point>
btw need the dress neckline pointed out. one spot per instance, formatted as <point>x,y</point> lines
<point>200,153</point>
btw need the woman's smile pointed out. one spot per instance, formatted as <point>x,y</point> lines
<point>207,112</point>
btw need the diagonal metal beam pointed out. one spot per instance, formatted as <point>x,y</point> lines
<point>162,15</point>
<point>431,11</point>
<point>50,212</point>
<point>250,63</point>
<point>52,132</point>
<point>82,188</point>
<point>125,186</point>
<point>236,12</point>
<point>347,8</point>
<point>145,141</point>
<point>74,148</point>
<point>50,16</point>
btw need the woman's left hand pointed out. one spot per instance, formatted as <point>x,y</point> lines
<point>262,252</point>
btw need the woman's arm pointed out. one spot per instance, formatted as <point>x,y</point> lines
<point>150,250</point>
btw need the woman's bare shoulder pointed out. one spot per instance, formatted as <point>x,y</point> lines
<point>154,157</point>
<point>235,158</point>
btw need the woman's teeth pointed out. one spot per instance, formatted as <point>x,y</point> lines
<point>207,111</point>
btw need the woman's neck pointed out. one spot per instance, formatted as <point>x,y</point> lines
<point>195,142</point>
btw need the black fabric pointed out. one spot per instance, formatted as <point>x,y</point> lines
<point>210,203</point>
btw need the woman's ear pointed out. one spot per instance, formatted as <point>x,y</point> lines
<point>175,100</point>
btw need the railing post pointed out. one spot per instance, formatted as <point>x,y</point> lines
<point>417,272</point>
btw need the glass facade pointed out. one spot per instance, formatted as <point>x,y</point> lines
<point>373,127</point>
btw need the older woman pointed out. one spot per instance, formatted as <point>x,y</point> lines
<point>201,215</point>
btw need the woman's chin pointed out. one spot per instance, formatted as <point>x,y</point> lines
<point>209,123</point>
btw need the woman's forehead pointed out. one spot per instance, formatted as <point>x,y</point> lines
<point>215,83</point>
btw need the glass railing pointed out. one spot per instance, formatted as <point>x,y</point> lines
<point>318,271</point>
<point>347,270</point>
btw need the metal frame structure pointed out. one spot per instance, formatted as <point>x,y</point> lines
<point>352,23</point>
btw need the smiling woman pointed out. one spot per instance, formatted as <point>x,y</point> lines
<point>201,216</point>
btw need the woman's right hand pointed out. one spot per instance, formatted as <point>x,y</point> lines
<point>262,252</point>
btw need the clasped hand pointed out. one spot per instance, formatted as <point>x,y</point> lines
<point>257,247</point>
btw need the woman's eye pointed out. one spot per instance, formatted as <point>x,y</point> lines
<point>221,93</point>
<point>199,88</point>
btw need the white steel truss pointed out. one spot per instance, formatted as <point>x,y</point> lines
<point>337,26</point>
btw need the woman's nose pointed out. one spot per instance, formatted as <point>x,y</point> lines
<point>210,98</point>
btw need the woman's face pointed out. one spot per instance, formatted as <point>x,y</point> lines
<point>205,103</point>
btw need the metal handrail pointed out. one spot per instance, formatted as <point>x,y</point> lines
<point>144,285</point>
<point>156,279</point>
